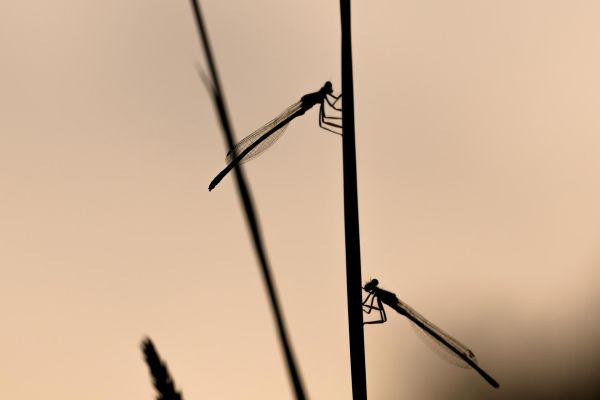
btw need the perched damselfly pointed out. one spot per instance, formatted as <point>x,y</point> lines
<point>257,142</point>
<point>377,297</point>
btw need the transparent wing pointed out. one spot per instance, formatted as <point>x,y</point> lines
<point>255,136</point>
<point>438,346</point>
<point>259,149</point>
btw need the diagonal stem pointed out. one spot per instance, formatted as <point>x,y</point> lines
<point>246,198</point>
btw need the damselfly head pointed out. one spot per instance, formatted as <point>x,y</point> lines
<point>372,284</point>
<point>327,88</point>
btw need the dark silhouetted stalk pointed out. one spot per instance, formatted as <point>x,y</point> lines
<point>353,274</point>
<point>160,374</point>
<point>244,193</point>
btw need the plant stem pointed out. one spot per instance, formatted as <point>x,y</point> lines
<point>246,198</point>
<point>353,273</point>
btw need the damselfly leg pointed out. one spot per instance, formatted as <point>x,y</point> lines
<point>370,307</point>
<point>336,99</point>
<point>327,122</point>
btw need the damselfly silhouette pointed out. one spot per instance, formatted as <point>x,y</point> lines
<point>453,346</point>
<point>257,142</point>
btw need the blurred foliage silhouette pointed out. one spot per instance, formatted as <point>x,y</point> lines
<point>160,374</point>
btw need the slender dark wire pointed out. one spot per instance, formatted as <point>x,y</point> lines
<point>353,273</point>
<point>244,193</point>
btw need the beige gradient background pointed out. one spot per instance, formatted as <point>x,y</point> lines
<point>477,148</point>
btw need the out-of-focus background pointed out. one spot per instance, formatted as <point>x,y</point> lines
<point>477,145</point>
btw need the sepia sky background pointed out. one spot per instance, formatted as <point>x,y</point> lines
<point>477,149</point>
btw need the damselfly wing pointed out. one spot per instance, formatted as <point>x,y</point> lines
<point>252,138</point>
<point>434,344</point>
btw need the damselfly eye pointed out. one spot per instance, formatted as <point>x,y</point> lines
<point>371,284</point>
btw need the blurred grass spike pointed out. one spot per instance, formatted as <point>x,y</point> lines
<point>162,380</point>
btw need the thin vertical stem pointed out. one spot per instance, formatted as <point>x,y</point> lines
<point>246,198</point>
<point>353,273</point>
